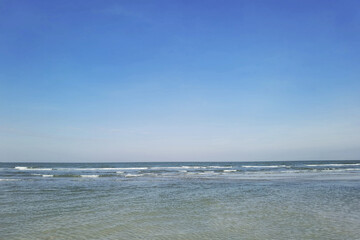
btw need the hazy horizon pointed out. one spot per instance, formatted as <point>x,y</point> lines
<point>145,81</point>
<point>121,162</point>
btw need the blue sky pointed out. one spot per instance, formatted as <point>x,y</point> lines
<point>179,80</point>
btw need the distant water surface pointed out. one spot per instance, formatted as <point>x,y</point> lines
<point>197,200</point>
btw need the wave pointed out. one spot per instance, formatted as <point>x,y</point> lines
<point>201,173</point>
<point>122,168</point>
<point>67,176</point>
<point>315,170</point>
<point>340,170</point>
<point>183,171</point>
<point>101,169</point>
<point>134,175</point>
<point>58,176</point>
<point>129,168</point>
<point>164,168</point>
<point>21,168</point>
<point>333,164</point>
<point>194,167</point>
<point>205,173</point>
<point>35,169</point>
<point>265,166</point>
<point>189,167</point>
<point>43,175</point>
<point>8,179</point>
<point>74,175</point>
<point>220,166</point>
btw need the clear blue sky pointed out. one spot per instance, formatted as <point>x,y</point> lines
<point>179,80</point>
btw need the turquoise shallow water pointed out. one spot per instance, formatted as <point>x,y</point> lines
<point>268,200</point>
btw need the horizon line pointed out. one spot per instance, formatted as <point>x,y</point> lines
<point>194,161</point>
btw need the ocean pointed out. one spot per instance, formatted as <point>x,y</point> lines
<point>182,200</point>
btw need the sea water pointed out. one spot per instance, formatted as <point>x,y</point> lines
<point>197,200</point>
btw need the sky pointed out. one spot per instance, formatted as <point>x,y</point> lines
<point>190,80</point>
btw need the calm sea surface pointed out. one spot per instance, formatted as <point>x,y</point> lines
<point>228,200</point>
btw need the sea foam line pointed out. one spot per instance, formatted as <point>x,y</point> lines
<point>102,169</point>
<point>134,175</point>
<point>180,167</point>
<point>334,164</point>
<point>220,166</point>
<point>189,167</point>
<point>33,169</point>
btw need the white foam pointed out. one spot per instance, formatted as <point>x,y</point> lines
<point>333,164</point>
<point>102,169</point>
<point>21,168</point>
<point>119,172</point>
<point>193,167</point>
<point>134,175</point>
<point>48,175</point>
<point>322,170</point>
<point>189,167</point>
<point>232,170</point>
<point>89,176</point>
<point>220,166</point>
<point>201,173</point>
<point>140,168</point>
<point>8,179</point>
<point>34,169</point>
